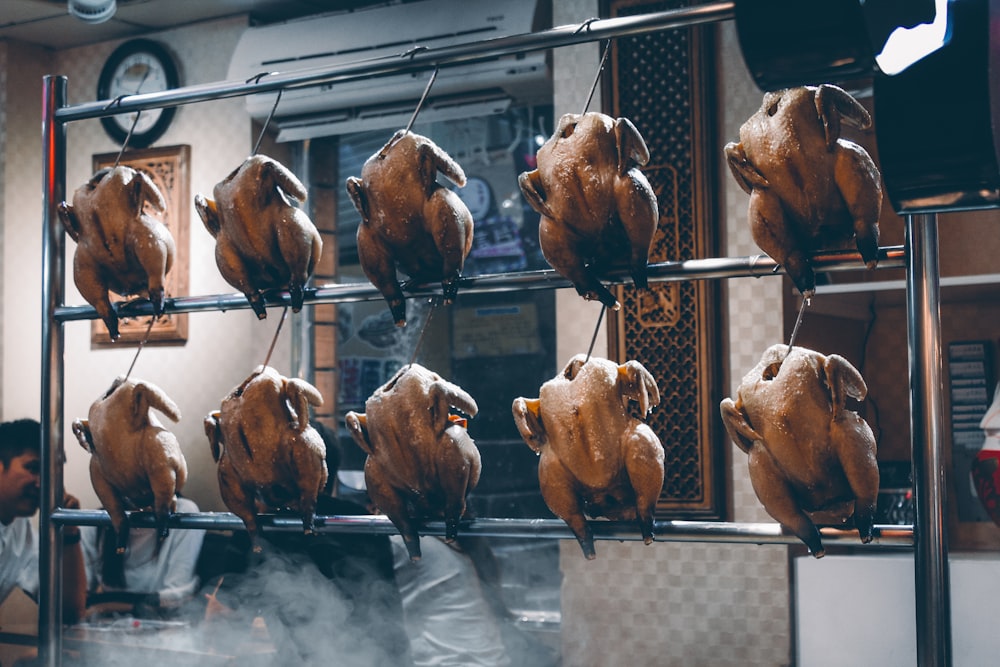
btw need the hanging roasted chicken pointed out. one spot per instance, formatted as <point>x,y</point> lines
<point>409,221</point>
<point>263,241</point>
<point>597,458</point>
<point>135,463</point>
<point>119,246</point>
<point>810,189</point>
<point>267,450</point>
<point>597,209</point>
<point>421,461</point>
<point>812,460</point>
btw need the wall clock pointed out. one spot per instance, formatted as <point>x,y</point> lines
<point>138,66</point>
<point>477,196</point>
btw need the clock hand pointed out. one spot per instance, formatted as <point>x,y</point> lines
<point>145,76</point>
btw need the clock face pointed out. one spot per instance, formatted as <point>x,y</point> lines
<point>477,196</point>
<point>136,67</point>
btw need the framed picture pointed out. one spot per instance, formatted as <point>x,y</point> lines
<point>169,169</point>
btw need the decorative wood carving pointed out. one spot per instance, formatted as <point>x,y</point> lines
<point>661,82</point>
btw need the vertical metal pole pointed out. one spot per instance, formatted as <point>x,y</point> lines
<point>52,454</point>
<point>923,313</point>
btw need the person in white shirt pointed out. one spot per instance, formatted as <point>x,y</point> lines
<point>159,580</point>
<point>448,618</point>
<point>20,494</point>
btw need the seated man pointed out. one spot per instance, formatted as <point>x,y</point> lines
<point>20,477</point>
<point>150,579</point>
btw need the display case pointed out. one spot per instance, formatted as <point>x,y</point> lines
<point>916,258</point>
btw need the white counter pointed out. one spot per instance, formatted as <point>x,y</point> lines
<point>859,610</point>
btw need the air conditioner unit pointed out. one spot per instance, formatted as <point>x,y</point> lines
<point>389,31</point>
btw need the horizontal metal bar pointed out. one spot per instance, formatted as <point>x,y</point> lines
<point>886,536</point>
<point>890,257</point>
<point>411,61</point>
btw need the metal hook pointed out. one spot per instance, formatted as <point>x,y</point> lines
<point>115,102</point>
<point>284,314</point>
<point>593,339</point>
<point>423,98</point>
<point>256,79</point>
<point>267,122</point>
<point>586,25</point>
<point>412,52</point>
<point>436,301</point>
<point>135,121</point>
<point>139,349</point>
<point>118,102</point>
<point>798,321</point>
<point>597,79</point>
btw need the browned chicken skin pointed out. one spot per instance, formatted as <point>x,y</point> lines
<point>409,221</point>
<point>119,247</point>
<point>135,462</point>
<point>596,458</point>
<point>266,448</point>
<point>262,240</point>
<point>598,210</point>
<point>811,459</point>
<point>421,461</point>
<point>809,189</point>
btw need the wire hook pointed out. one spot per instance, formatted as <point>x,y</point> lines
<point>597,79</point>
<point>593,339</point>
<point>139,349</point>
<point>284,314</point>
<point>423,98</point>
<point>798,321</point>
<point>256,79</point>
<point>435,302</point>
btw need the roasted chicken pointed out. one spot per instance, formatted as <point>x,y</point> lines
<point>267,450</point>
<point>597,209</point>
<point>263,241</point>
<point>135,462</point>
<point>811,459</point>
<point>119,246</point>
<point>597,458</point>
<point>810,189</point>
<point>421,461</point>
<point>409,221</point>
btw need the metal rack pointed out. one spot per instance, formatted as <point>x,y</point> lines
<point>923,319</point>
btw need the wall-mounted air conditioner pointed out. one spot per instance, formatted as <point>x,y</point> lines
<point>385,32</point>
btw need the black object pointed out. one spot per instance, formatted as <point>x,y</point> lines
<point>788,43</point>
<point>937,143</point>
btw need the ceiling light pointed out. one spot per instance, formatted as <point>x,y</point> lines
<point>93,11</point>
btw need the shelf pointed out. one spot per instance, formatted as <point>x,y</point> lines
<point>847,299</point>
<point>887,536</point>
<point>755,266</point>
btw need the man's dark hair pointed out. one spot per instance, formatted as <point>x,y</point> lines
<point>17,437</point>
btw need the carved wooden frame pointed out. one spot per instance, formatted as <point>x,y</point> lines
<point>169,168</point>
<point>662,83</point>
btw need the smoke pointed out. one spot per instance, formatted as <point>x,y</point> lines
<point>281,611</point>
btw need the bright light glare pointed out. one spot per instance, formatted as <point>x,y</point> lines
<point>906,46</point>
